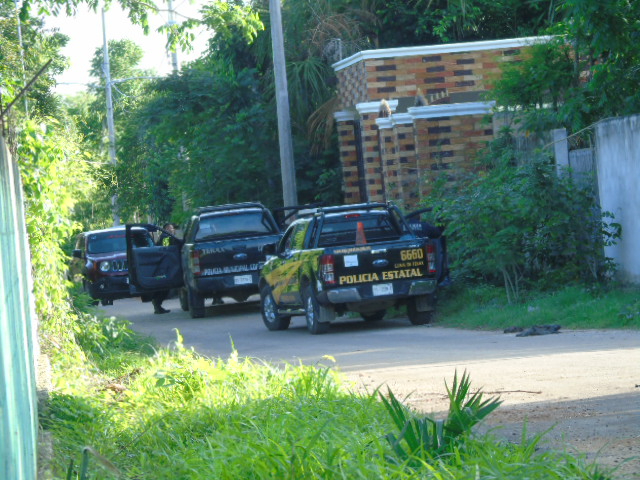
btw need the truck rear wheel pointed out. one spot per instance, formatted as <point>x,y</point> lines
<point>318,316</point>
<point>269,309</point>
<point>196,303</point>
<point>416,316</point>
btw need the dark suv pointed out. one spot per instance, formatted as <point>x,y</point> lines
<point>220,256</point>
<point>100,261</point>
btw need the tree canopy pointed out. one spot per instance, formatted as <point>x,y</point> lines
<point>208,132</point>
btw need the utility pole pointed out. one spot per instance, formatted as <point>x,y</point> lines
<point>287,165</point>
<point>112,134</point>
<point>175,66</point>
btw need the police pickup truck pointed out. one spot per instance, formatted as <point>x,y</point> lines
<point>221,254</point>
<point>362,258</point>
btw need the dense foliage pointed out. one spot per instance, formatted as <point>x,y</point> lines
<point>525,226</point>
<point>50,164</point>
<point>588,72</point>
<point>20,62</point>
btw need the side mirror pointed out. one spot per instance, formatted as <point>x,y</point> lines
<point>77,253</point>
<point>269,249</point>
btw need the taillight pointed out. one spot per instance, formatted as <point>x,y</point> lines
<point>431,257</point>
<point>195,262</point>
<point>327,270</point>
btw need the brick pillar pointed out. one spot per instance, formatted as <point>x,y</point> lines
<point>406,157</point>
<point>348,156</point>
<point>389,160</point>
<point>370,151</point>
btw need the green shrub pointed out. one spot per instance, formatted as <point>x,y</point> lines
<point>524,226</point>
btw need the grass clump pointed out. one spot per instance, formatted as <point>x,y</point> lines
<point>175,414</point>
<point>573,306</point>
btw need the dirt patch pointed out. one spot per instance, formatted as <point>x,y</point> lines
<point>589,402</point>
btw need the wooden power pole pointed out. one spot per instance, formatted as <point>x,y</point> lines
<point>287,165</point>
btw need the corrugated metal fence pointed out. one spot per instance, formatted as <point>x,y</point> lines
<point>18,345</point>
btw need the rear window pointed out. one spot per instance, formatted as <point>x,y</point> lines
<point>106,242</point>
<point>237,224</point>
<point>342,230</point>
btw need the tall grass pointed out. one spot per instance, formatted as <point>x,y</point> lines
<point>572,306</point>
<point>178,415</point>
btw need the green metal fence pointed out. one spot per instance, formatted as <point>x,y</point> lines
<point>18,345</point>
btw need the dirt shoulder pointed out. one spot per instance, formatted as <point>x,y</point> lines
<point>590,400</point>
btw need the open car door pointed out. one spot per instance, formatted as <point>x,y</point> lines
<point>152,267</point>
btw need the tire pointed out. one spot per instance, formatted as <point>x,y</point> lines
<point>85,289</point>
<point>373,317</point>
<point>196,303</point>
<point>106,302</point>
<point>269,309</point>
<point>416,317</point>
<point>184,300</point>
<point>318,317</point>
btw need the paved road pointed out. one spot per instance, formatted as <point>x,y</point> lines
<point>586,383</point>
<point>354,344</point>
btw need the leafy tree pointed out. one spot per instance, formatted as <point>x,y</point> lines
<point>128,84</point>
<point>586,73</point>
<point>204,135</point>
<point>426,22</point>
<point>38,47</point>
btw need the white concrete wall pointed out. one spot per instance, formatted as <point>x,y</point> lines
<point>618,163</point>
<point>18,343</point>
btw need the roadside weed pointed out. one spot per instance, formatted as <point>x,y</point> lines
<point>426,439</point>
<point>179,415</point>
<point>573,306</point>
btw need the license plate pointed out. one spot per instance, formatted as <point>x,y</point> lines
<point>382,289</point>
<point>242,279</point>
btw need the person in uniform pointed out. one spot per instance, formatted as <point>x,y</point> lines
<point>164,240</point>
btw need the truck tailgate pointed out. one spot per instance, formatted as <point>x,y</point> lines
<point>228,258</point>
<point>383,262</point>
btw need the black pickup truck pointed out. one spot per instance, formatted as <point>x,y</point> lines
<point>362,258</point>
<point>220,255</point>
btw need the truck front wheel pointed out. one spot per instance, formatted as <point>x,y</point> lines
<point>269,309</point>
<point>318,317</point>
<point>416,311</point>
<point>196,303</point>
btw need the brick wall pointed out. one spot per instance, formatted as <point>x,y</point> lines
<point>401,156</point>
<point>457,72</point>
<point>447,146</point>
<point>349,158</point>
<point>353,85</point>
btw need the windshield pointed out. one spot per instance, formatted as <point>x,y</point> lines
<point>244,223</point>
<point>106,242</point>
<point>343,229</point>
